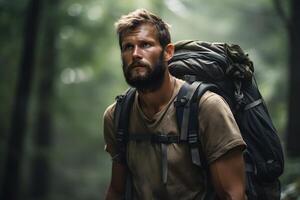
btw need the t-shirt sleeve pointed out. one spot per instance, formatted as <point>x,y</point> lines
<point>108,131</point>
<point>219,132</point>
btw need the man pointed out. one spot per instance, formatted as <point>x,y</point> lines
<point>146,49</point>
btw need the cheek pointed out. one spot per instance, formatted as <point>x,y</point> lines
<point>155,57</point>
<point>125,61</point>
<point>125,58</point>
<point>153,62</point>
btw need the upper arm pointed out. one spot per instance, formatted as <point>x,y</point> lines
<point>116,188</point>
<point>228,175</point>
<point>223,146</point>
<point>108,131</point>
<point>118,171</point>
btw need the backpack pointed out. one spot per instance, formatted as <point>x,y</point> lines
<point>226,70</point>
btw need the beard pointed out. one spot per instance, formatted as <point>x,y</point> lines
<point>151,80</point>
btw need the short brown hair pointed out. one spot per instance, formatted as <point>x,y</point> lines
<point>139,17</point>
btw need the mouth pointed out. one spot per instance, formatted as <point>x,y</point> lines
<point>137,65</point>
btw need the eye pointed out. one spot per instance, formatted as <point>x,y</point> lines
<point>127,47</point>
<point>146,45</point>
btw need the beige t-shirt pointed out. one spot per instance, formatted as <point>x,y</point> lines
<point>219,134</point>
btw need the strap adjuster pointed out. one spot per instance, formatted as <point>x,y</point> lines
<point>120,135</point>
<point>120,97</point>
<point>165,139</point>
<point>181,102</point>
<point>192,137</point>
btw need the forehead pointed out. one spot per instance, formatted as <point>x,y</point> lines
<point>141,32</point>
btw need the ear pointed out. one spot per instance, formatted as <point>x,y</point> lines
<point>169,52</point>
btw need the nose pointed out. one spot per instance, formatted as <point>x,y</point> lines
<point>136,54</point>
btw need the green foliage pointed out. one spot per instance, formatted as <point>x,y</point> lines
<point>291,180</point>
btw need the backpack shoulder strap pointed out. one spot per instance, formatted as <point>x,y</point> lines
<point>187,104</point>
<point>192,126</point>
<point>121,121</point>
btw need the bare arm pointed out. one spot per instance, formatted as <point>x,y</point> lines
<point>228,175</point>
<point>116,188</point>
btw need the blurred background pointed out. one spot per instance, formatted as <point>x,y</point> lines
<point>60,68</point>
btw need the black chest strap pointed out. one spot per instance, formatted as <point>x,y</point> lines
<point>187,120</point>
<point>163,141</point>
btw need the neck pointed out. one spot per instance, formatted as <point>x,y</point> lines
<point>153,101</point>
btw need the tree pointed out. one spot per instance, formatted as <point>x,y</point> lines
<point>10,189</point>
<point>292,25</point>
<point>42,138</point>
<point>293,128</point>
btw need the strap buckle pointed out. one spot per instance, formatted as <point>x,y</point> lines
<point>161,139</point>
<point>165,139</point>
<point>181,102</point>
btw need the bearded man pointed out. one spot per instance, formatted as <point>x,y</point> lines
<point>146,48</point>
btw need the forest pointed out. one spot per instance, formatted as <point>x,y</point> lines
<point>60,68</point>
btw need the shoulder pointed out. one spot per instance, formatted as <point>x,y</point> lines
<point>108,120</point>
<point>212,102</point>
<point>220,132</point>
<point>108,115</point>
<point>109,112</point>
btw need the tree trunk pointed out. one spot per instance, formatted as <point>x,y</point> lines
<point>293,127</point>
<point>42,138</point>
<point>11,178</point>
